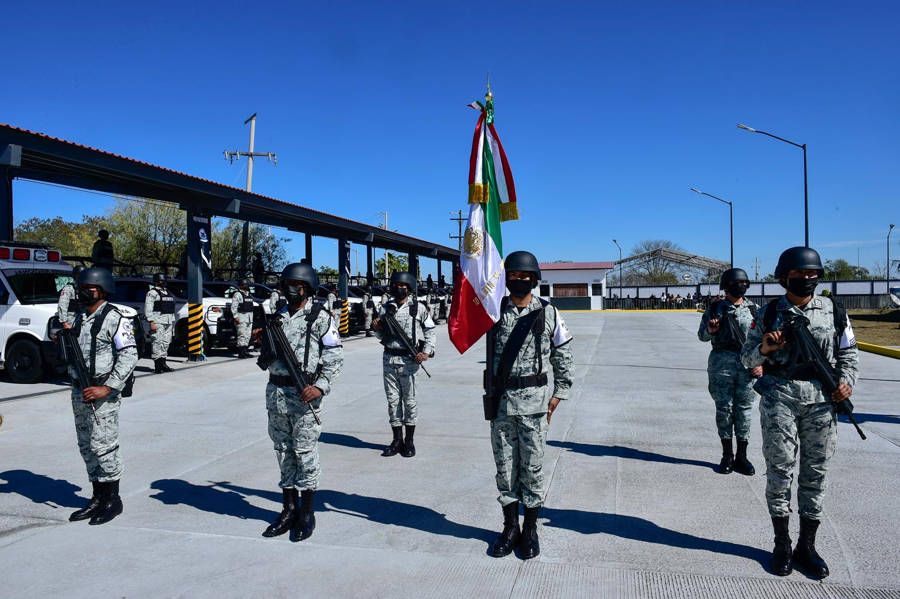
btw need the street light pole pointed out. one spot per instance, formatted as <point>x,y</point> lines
<point>730,217</point>
<point>805,178</point>
<point>888,269</point>
<point>620,268</point>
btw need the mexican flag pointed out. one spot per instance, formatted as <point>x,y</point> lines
<point>480,283</point>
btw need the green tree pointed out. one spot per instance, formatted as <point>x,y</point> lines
<point>226,247</point>
<point>147,232</point>
<point>397,262</point>
<point>841,269</point>
<point>71,238</point>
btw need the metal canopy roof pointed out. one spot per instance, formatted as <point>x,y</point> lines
<point>676,257</point>
<point>53,160</point>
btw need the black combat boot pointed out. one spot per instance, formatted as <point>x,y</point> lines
<point>396,445</point>
<point>726,466</point>
<point>243,352</point>
<point>165,367</point>
<point>305,522</point>
<point>806,557</point>
<point>781,554</point>
<point>741,464</point>
<point>111,504</point>
<point>509,538</point>
<point>409,450</point>
<point>157,367</point>
<point>285,519</point>
<point>528,544</point>
<point>88,510</point>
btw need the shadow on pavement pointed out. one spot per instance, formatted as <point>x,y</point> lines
<point>348,441</point>
<point>638,529</point>
<point>626,452</point>
<point>862,417</point>
<point>231,500</point>
<point>41,489</point>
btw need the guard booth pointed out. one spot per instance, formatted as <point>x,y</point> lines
<point>37,157</point>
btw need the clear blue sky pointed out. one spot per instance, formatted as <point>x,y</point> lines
<point>609,112</point>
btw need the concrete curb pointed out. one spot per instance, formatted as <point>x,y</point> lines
<point>636,311</point>
<point>879,349</point>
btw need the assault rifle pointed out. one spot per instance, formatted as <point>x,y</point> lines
<point>729,326</point>
<point>72,356</point>
<point>275,346</point>
<point>397,332</point>
<point>809,360</point>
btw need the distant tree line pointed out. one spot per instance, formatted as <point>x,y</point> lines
<point>147,232</point>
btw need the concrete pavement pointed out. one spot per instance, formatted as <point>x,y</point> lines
<point>634,508</point>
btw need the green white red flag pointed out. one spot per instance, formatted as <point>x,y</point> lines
<point>480,283</point>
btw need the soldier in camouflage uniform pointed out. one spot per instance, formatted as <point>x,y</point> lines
<point>159,310</point>
<point>96,408</point>
<point>796,415</point>
<point>368,311</point>
<point>311,332</point>
<point>519,430</point>
<point>275,302</point>
<point>67,306</point>
<point>242,310</point>
<point>400,368</point>
<point>726,323</point>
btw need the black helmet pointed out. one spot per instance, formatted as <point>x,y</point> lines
<point>798,258</point>
<point>160,278</point>
<point>245,282</point>
<point>76,270</point>
<point>300,271</point>
<point>98,276</point>
<point>402,277</point>
<point>732,275</point>
<point>103,234</point>
<point>523,262</point>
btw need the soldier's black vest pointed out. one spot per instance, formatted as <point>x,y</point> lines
<point>95,331</point>
<point>786,370</point>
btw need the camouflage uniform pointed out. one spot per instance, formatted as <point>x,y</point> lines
<point>115,359</point>
<point>399,367</point>
<point>272,303</point>
<point>292,426</point>
<point>730,384</point>
<point>367,311</point>
<point>519,431</point>
<point>67,305</point>
<point>243,321</point>
<point>165,323</point>
<point>796,415</point>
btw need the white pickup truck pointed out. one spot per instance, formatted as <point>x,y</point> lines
<point>31,277</point>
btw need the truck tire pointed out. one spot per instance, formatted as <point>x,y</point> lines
<point>23,362</point>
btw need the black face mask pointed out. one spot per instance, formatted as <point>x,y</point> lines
<point>519,287</point>
<point>399,292</point>
<point>801,286</point>
<point>86,296</point>
<point>294,292</point>
<point>736,289</point>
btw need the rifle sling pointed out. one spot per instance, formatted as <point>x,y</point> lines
<point>513,345</point>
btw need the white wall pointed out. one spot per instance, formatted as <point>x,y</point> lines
<point>589,277</point>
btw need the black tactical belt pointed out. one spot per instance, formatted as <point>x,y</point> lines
<point>396,352</point>
<point>523,382</point>
<point>280,380</point>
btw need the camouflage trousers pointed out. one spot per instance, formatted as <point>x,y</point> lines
<point>731,387</point>
<point>400,388</point>
<point>789,429</point>
<point>368,318</point>
<point>518,443</point>
<point>99,443</point>
<point>160,340</point>
<point>295,435</point>
<point>242,329</point>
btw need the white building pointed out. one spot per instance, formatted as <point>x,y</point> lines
<point>575,285</point>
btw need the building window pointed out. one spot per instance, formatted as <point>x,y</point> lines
<point>570,290</point>
<point>545,291</point>
<point>597,289</point>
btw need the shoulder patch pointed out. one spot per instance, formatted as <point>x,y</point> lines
<point>331,338</point>
<point>561,334</point>
<point>124,336</point>
<point>848,339</point>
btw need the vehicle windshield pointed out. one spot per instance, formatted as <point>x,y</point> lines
<point>37,286</point>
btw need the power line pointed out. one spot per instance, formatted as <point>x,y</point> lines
<point>459,222</point>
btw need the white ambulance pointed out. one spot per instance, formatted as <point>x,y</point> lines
<point>31,277</point>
